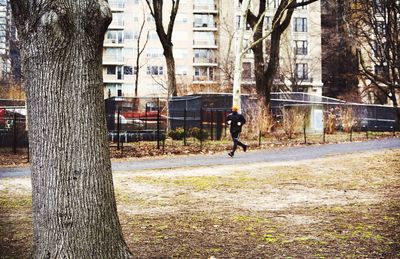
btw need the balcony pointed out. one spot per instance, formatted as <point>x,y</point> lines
<point>113,43</point>
<point>117,6</point>
<point>204,61</point>
<point>205,8</point>
<point>112,79</point>
<point>205,44</point>
<point>205,79</point>
<point>204,26</point>
<point>113,60</point>
<point>116,25</point>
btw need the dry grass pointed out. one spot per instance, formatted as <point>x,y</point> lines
<point>345,206</point>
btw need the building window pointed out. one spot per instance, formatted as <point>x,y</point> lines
<point>181,18</point>
<point>153,35</point>
<point>118,19</point>
<point>128,70</point>
<point>204,38</point>
<point>155,70</point>
<point>267,22</point>
<point>301,47</point>
<point>111,70</point>
<point>238,23</point>
<point>115,37</point>
<point>380,27</point>
<point>302,70</point>
<point>150,18</point>
<point>303,6</point>
<point>381,71</point>
<point>128,35</point>
<point>246,73</point>
<point>154,53</point>
<point>300,24</point>
<point>181,70</point>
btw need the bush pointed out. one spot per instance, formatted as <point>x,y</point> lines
<point>199,134</point>
<point>177,134</point>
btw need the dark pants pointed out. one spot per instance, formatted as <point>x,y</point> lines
<point>236,141</point>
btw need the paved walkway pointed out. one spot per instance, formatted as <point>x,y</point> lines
<point>273,155</point>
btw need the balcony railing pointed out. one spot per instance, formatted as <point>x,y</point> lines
<point>204,42</point>
<point>209,25</point>
<point>112,78</point>
<point>117,24</point>
<point>205,78</point>
<point>205,7</point>
<point>116,5</point>
<point>204,60</point>
<point>113,59</point>
<point>113,41</point>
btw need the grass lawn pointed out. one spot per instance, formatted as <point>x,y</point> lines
<point>343,206</point>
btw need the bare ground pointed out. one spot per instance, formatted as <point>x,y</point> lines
<point>345,206</point>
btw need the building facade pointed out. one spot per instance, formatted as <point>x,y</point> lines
<point>204,49</point>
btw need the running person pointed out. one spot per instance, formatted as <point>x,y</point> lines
<point>235,121</point>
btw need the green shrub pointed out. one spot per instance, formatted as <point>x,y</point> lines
<point>200,134</point>
<point>177,134</point>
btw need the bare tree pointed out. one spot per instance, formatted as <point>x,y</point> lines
<point>74,208</point>
<point>226,59</point>
<point>139,52</point>
<point>375,26</point>
<point>156,9</point>
<point>339,57</point>
<point>266,69</point>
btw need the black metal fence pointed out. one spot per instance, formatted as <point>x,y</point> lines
<point>13,134</point>
<point>136,119</point>
<point>147,119</point>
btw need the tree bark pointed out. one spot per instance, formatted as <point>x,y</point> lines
<point>169,58</point>
<point>265,72</point>
<point>74,208</point>
<point>156,9</point>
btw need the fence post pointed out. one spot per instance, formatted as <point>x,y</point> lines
<point>212,125</point>
<point>118,127</point>
<point>304,130</point>
<point>201,128</point>
<point>225,125</point>
<point>351,133</point>
<point>323,132</point>
<point>184,127</point>
<point>259,138</point>
<point>158,127</point>
<point>14,133</point>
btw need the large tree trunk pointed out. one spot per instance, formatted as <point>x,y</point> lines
<point>74,209</point>
<point>169,58</point>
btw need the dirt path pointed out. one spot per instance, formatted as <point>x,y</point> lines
<point>275,155</point>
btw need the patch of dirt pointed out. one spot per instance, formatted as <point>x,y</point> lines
<point>345,206</point>
<point>170,147</point>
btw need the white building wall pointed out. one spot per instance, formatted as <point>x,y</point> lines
<point>200,25</point>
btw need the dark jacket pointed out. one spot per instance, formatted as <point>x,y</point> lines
<point>236,121</point>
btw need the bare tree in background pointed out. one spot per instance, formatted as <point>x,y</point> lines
<point>376,28</point>
<point>339,57</point>
<point>10,79</point>
<point>266,69</point>
<point>140,52</point>
<point>74,208</point>
<point>156,9</point>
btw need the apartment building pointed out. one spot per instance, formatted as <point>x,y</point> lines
<point>204,49</point>
<point>5,61</point>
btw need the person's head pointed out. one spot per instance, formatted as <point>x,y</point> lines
<point>235,108</point>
